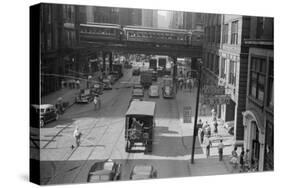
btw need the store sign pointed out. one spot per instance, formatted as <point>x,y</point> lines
<point>213,90</point>
<point>187,114</point>
<point>216,100</point>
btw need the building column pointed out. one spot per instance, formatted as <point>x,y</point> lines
<point>110,61</point>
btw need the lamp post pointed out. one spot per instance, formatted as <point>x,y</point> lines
<point>196,114</point>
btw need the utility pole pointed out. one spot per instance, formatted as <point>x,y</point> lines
<point>196,115</point>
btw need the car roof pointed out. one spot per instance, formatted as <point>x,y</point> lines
<point>142,169</point>
<point>102,167</point>
<point>142,108</point>
<point>42,106</point>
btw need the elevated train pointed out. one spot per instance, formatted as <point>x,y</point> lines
<point>114,32</point>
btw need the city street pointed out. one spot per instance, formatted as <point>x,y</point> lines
<point>103,138</point>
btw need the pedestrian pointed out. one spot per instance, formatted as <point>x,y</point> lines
<point>78,84</point>
<point>247,160</point>
<point>208,131</point>
<point>202,135</point>
<point>214,114</point>
<point>241,160</point>
<point>77,135</point>
<point>220,150</point>
<point>95,101</point>
<point>62,84</point>
<point>215,128</point>
<point>234,159</point>
<point>208,146</point>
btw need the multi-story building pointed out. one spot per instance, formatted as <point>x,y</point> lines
<point>149,18</point>
<point>225,65</point>
<point>258,116</point>
<point>194,21</point>
<point>211,46</point>
<point>59,31</point>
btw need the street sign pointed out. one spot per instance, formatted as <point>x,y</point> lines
<point>213,90</point>
<point>216,100</point>
<point>187,114</point>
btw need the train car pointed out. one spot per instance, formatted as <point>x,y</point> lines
<point>100,31</point>
<point>197,37</point>
<point>165,36</point>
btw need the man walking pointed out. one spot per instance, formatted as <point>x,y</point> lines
<point>208,146</point>
<point>77,135</point>
<point>220,150</point>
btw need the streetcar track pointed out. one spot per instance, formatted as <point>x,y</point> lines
<point>73,151</point>
<point>92,151</point>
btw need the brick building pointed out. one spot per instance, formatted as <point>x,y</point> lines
<point>258,116</point>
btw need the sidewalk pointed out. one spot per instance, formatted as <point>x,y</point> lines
<point>67,95</point>
<point>211,166</point>
<point>203,165</point>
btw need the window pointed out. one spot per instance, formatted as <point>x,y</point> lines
<point>260,27</point>
<point>216,66</point>
<point>225,34</point>
<point>269,149</point>
<point>218,34</point>
<point>270,97</point>
<point>234,32</point>
<point>257,78</point>
<point>232,73</point>
<point>222,68</point>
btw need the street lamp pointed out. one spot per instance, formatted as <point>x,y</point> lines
<point>196,114</point>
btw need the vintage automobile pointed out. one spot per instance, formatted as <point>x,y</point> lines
<point>97,88</point>
<point>47,113</point>
<point>168,87</point>
<point>107,170</point>
<point>85,96</point>
<point>138,91</point>
<point>106,84</point>
<point>153,91</point>
<point>139,125</point>
<point>140,172</point>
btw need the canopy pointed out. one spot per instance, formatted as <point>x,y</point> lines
<point>141,108</point>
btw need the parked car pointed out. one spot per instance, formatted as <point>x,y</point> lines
<point>47,113</point>
<point>153,91</point>
<point>107,170</point>
<point>106,84</point>
<point>229,126</point>
<point>141,172</point>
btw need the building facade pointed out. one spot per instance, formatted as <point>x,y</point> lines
<point>59,38</point>
<point>149,18</point>
<point>258,116</point>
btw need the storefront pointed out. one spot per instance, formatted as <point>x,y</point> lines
<point>254,138</point>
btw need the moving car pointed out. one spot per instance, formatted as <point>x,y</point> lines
<point>153,91</point>
<point>107,170</point>
<point>229,126</point>
<point>141,172</point>
<point>106,84</point>
<point>85,96</point>
<point>47,113</point>
<point>138,91</point>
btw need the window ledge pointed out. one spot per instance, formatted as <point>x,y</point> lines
<point>256,101</point>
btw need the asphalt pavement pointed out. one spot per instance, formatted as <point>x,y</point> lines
<point>103,138</point>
